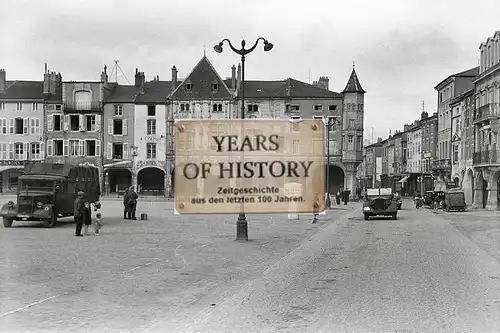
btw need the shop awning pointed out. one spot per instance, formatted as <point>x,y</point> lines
<point>404,179</point>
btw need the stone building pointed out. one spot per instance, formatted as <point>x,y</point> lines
<point>21,126</point>
<point>429,127</point>
<point>467,102</point>
<point>486,161</point>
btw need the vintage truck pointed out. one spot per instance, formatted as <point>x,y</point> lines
<point>47,191</point>
<point>380,202</point>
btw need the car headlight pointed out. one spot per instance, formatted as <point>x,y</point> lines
<point>39,204</point>
<point>366,208</point>
<point>47,208</point>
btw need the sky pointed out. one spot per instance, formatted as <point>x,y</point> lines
<point>401,48</point>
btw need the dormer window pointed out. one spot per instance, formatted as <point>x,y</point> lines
<point>189,85</point>
<point>215,85</point>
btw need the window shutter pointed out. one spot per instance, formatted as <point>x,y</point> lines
<point>11,125</point>
<point>50,123</point>
<point>98,148</point>
<point>25,125</point>
<point>66,122</point>
<point>82,147</point>
<point>110,150</point>
<point>125,150</point>
<point>42,151</point>
<point>125,126</point>
<point>98,123</point>
<point>25,151</point>
<point>11,150</point>
<point>82,123</point>
<point>37,125</point>
<point>50,144</point>
<point>65,147</point>
<point>110,126</point>
<point>32,125</point>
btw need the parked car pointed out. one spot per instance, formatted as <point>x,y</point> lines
<point>47,191</point>
<point>454,200</point>
<point>380,202</point>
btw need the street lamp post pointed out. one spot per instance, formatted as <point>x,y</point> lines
<point>241,224</point>
<point>330,123</point>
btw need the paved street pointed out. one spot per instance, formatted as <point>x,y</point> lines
<point>421,273</point>
<point>136,273</point>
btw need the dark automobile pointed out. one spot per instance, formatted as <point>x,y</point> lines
<point>454,200</point>
<point>47,191</point>
<point>431,196</point>
<point>380,202</point>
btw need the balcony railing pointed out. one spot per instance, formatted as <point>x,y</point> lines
<point>485,157</point>
<point>441,164</point>
<point>486,112</point>
<point>83,106</point>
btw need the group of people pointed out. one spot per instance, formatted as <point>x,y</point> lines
<point>129,204</point>
<point>82,212</point>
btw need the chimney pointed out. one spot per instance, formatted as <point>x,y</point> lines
<point>46,80</point>
<point>379,140</point>
<point>104,75</point>
<point>3,83</point>
<point>139,80</point>
<point>233,77</point>
<point>53,82</point>
<point>424,115</point>
<point>174,77</point>
<point>238,78</point>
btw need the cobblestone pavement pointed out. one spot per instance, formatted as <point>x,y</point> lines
<point>136,272</point>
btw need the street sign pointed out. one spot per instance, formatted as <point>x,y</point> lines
<point>251,166</point>
<point>419,179</point>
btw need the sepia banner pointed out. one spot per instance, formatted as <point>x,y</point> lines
<point>250,166</point>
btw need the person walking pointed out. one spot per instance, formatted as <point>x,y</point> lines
<point>78,207</point>
<point>97,223</point>
<point>132,203</point>
<point>87,218</point>
<point>125,204</point>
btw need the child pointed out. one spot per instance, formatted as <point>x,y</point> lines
<point>97,223</point>
<point>87,218</point>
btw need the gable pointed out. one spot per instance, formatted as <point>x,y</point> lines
<point>202,78</point>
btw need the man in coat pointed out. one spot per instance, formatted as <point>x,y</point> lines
<point>78,207</point>
<point>132,203</point>
<point>125,204</point>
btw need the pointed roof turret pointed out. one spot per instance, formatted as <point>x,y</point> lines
<point>353,85</point>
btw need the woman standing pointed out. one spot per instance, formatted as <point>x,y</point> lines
<point>87,218</point>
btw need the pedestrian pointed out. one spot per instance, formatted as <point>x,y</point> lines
<point>132,203</point>
<point>337,197</point>
<point>87,218</point>
<point>436,204</point>
<point>97,223</point>
<point>125,204</point>
<point>346,196</point>
<point>78,207</point>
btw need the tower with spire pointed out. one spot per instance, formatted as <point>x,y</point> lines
<point>352,129</point>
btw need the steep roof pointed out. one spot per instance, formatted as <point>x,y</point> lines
<point>472,72</point>
<point>201,77</point>
<point>353,84</point>
<point>23,90</point>
<point>121,93</point>
<point>56,97</point>
<point>154,92</point>
<point>288,88</point>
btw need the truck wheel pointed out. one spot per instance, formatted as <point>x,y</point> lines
<point>49,223</point>
<point>395,216</point>
<point>366,217</point>
<point>7,222</point>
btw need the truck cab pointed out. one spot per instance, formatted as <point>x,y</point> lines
<point>380,202</point>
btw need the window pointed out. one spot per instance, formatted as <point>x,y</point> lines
<point>90,148</point>
<point>455,153</point>
<point>318,107</point>
<point>35,106</point>
<point>185,107</point>
<point>74,121</point>
<point>35,151</point>
<point>217,108</point>
<point>151,151</point>
<point>118,110</point>
<point>19,151</point>
<point>74,147</point>
<point>35,125</point>
<point>318,117</point>
<point>151,126</point>
<point>117,151</point>
<point>253,107</point>
<point>350,142</point>
<point>90,123</point>
<point>117,126</point>
<point>215,86</point>
<point>57,122</point>
<point>3,126</point>
<point>351,123</point>
<point>332,107</point>
<point>58,148</point>
<point>19,126</point>
<point>295,108</point>
<point>359,143</point>
<point>151,110</point>
<point>19,106</point>
<point>189,86</point>
<point>83,100</point>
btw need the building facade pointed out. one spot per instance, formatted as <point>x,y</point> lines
<point>21,127</point>
<point>467,145</point>
<point>429,126</point>
<point>486,161</point>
